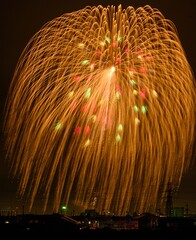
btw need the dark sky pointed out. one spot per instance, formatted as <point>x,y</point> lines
<point>20,20</point>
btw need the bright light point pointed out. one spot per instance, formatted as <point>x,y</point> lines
<point>81,45</point>
<point>87,129</point>
<point>148,58</point>
<point>142,70</point>
<point>87,143</point>
<point>107,39</point>
<point>144,109</point>
<point>143,94</point>
<point>118,60</point>
<point>85,62</point>
<point>77,130</point>
<point>126,50</point>
<point>114,44</point>
<point>57,126</point>
<point>118,137</point>
<point>94,118</point>
<point>76,78</point>
<point>120,127</point>
<point>113,69</point>
<point>135,92</point>
<point>133,83</point>
<point>102,43</point>
<point>136,109</point>
<point>88,93</point>
<point>119,39</point>
<point>154,93</point>
<point>92,65</point>
<point>137,121</point>
<point>71,93</point>
<point>117,95</point>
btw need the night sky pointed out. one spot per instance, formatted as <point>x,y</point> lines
<point>20,20</point>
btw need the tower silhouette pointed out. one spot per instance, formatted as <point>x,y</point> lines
<point>169,199</point>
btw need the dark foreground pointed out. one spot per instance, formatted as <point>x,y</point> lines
<point>102,235</point>
<point>60,227</point>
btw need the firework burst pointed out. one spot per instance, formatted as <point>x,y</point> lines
<point>101,107</point>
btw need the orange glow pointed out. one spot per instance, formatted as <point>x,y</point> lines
<point>102,105</point>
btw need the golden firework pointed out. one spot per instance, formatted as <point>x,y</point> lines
<point>101,107</point>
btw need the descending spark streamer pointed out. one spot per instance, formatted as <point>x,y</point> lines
<point>101,107</point>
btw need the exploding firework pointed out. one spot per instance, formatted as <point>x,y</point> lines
<point>101,111</point>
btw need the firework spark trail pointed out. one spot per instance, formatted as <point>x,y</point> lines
<point>102,104</point>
